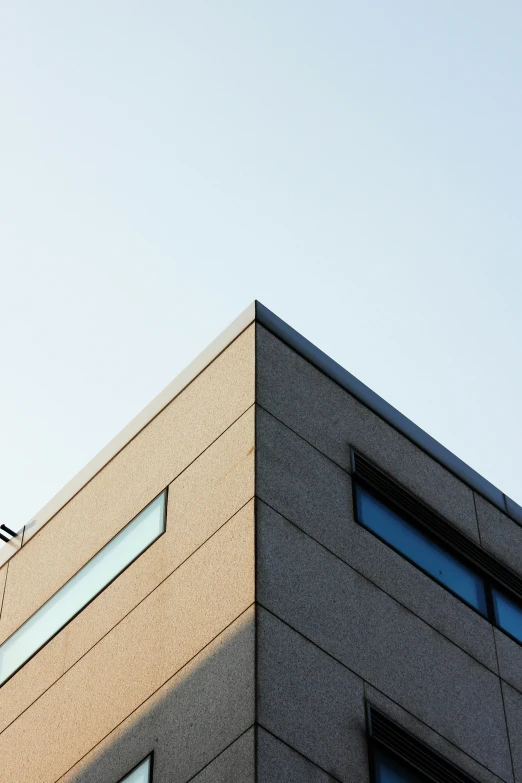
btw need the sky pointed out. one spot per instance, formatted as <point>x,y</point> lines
<point>357,167</point>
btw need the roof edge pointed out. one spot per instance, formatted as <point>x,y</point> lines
<point>391,415</point>
<point>256,311</point>
<point>130,431</point>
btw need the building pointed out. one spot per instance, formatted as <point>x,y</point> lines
<point>270,575</point>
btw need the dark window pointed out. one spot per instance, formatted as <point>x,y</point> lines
<point>390,770</point>
<point>421,549</point>
<point>436,547</point>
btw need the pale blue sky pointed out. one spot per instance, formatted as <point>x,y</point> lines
<point>355,166</point>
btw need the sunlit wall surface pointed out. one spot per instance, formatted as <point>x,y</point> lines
<point>83,587</point>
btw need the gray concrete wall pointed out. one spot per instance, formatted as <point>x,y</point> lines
<point>342,614</point>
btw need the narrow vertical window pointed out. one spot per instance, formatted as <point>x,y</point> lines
<point>140,774</point>
<point>110,561</point>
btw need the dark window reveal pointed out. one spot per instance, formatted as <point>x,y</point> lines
<point>437,548</point>
<point>391,770</point>
<point>421,549</point>
<point>397,756</point>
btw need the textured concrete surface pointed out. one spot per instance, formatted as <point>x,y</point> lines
<point>499,534</point>
<point>154,641</point>
<point>208,493</point>
<point>278,763</point>
<point>329,418</point>
<point>431,738</point>
<point>153,459</point>
<point>213,488</point>
<point>38,674</point>
<point>514,509</point>
<point>205,496</point>
<point>313,492</point>
<point>509,659</point>
<point>303,484</point>
<point>236,763</point>
<point>381,641</point>
<point>513,705</point>
<point>188,722</point>
<point>310,701</point>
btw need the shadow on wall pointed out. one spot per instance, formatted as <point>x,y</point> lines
<point>197,713</point>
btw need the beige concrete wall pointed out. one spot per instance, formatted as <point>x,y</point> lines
<point>164,610</point>
<point>153,642</point>
<point>213,488</point>
<point>202,715</point>
<point>192,421</point>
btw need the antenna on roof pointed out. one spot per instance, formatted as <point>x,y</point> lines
<point>9,531</point>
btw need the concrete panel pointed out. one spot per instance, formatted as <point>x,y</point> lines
<point>201,499</point>
<point>499,534</point>
<point>153,642</point>
<point>513,706</point>
<point>313,492</point>
<point>236,763</point>
<point>332,420</point>
<point>310,701</point>
<point>509,659</point>
<point>38,674</point>
<point>189,721</point>
<point>278,763</point>
<point>153,459</point>
<point>381,641</point>
<point>514,509</point>
<point>429,737</point>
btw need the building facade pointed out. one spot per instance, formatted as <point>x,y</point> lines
<point>271,575</point>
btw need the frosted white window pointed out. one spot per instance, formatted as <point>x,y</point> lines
<point>83,587</point>
<point>140,774</point>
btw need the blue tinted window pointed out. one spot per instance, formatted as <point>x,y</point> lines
<point>388,770</point>
<point>421,549</point>
<point>508,614</point>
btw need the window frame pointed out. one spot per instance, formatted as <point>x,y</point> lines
<point>164,492</point>
<point>489,582</point>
